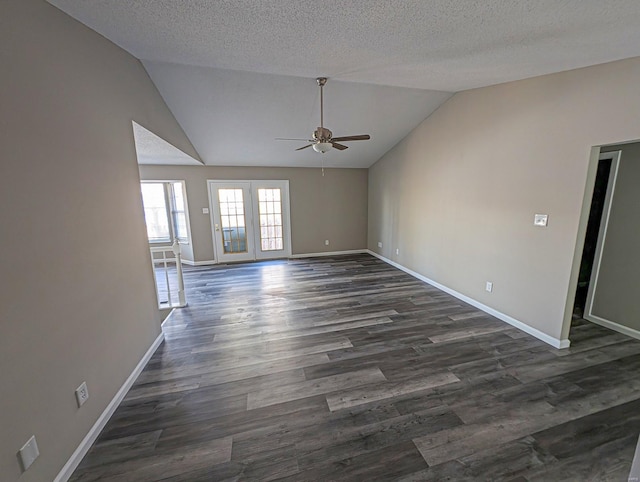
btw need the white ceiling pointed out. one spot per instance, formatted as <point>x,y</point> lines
<point>233,117</point>
<point>436,45</point>
<point>152,149</point>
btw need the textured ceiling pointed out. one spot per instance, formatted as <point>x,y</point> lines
<point>436,45</point>
<point>447,45</point>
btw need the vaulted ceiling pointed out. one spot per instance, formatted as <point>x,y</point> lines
<point>239,73</point>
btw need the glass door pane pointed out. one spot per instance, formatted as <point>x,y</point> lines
<point>232,213</point>
<point>234,233</point>
<point>272,230</point>
<point>270,212</point>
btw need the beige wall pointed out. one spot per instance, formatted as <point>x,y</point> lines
<point>457,196</point>
<point>77,300</point>
<point>616,296</point>
<point>332,207</point>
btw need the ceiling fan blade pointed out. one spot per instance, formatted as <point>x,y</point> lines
<point>323,139</point>
<point>363,137</point>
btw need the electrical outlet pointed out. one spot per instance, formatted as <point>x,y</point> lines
<point>379,244</point>
<point>82,394</point>
<point>489,286</point>
<point>326,242</point>
<point>28,453</point>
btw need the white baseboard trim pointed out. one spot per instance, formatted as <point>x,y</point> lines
<point>612,325</point>
<point>85,445</point>
<point>199,263</point>
<point>554,342</point>
<point>293,256</point>
<point>329,253</point>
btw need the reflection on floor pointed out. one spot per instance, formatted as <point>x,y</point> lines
<point>347,369</point>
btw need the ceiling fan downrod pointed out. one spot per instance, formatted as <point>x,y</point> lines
<point>322,139</point>
<point>321,81</point>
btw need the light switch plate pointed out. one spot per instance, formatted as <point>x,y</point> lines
<point>379,244</point>
<point>540,219</point>
<point>29,453</point>
<point>205,210</point>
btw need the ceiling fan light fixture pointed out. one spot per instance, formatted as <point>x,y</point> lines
<point>322,147</point>
<point>323,140</point>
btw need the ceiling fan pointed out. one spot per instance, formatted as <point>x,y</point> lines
<point>323,139</point>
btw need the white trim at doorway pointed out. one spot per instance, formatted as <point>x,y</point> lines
<point>612,325</point>
<point>602,236</point>
<point>328,253</point>
<point>252,202</point>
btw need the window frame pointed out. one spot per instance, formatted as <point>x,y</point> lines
<point>171,210</point>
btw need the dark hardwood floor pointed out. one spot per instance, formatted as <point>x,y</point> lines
<point>346,368</point>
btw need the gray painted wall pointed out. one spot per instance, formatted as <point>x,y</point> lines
<point>332,207</point>
<point>77,300</point>
<point>618,285</point>
<point>458,195</point>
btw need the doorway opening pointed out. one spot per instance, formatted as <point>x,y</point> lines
<point>606,265</point>
<point>594,225</point>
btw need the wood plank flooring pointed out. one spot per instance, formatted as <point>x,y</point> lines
<point>346,368</point>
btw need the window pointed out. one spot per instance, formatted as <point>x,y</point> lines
<point>178,212</point>
<point>155,212</point>
<point>165,211</point>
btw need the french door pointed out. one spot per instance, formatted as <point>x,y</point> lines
<point>250,220</point>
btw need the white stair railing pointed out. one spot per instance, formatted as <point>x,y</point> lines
<point>168,281</point>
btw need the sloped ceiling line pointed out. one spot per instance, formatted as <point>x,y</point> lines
<point>237,73</point>
<point>152,149</point>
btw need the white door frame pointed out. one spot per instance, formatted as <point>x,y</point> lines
<point>602,235</point>
<point>216,224</point>
<point>252,218</point>
<point>286,218</point>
